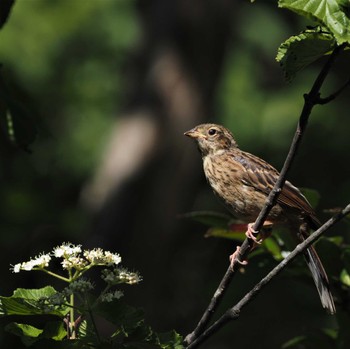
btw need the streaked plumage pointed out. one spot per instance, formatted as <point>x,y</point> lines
<point>243,181</point>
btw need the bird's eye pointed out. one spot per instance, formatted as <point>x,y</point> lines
<point>212,132</point>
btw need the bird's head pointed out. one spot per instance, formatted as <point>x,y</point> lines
<point>212,138</point>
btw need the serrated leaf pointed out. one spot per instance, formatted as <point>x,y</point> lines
<point>299,51</point>
<point>25,302</point>
<point>209,218</point>
<point>170,340</point>
<point>333,14</point>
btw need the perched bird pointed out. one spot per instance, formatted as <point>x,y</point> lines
<point>243,182</point>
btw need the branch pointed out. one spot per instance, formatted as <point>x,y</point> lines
<point>310,100</point>
<point>233,313</point>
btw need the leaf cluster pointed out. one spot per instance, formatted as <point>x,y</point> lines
<point>331,29</point>
<point>128,327</point>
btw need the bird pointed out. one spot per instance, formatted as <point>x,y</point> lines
<point>243,181</point>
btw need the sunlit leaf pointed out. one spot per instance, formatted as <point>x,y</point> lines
<point>273,248</point>
<point>225,233</point>
<point>170,340</point>
<point>333,14</point>
<point>299,51</point>
<point>25,302</point>
<point>345,277</point>
<point>28,334</point>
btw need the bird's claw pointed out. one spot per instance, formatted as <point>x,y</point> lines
<point>250,234</point>
<point>234,257</point>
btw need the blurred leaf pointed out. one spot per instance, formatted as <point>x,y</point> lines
<point>345,277</point>
<point>336,240</point>
<point>20,125</point>
<point>312,195</point>
<point>273,248</point>
<point>333,14</point>
<point>25,302</point>
<point>5,9</point>
<point>226,234</point>
<point>299,51</point>
<point>209,218</point>
<point>292,343</point>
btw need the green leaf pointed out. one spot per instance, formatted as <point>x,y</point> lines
<point>28,334</point>
<point>273,248</point>
<point>170,340</point>
<point>25,302</point>
<point>299,51</point>
<point>294,342</point>
<point>209,218</point>
<point>333,14</point>
<point>226,233</point>
<point>312,195</point>
<point>55,330</point>
<point>345,277</point>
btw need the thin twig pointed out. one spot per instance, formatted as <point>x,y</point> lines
<point>233,313</point>
<point>310,100</point>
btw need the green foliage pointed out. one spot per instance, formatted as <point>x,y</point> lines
<point>333,14</point>
<point>70,315</point>
<point>27,302</point>
<point>333,29</point>
<point>299,51</point>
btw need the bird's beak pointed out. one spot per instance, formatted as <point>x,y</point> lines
<point>193,134</point>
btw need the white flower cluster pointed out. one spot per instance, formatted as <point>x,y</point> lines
<point>72,257</point>
<point>109,296</point>
<point>99,257</point>
<point>40,262</point>
<point>120,276</point>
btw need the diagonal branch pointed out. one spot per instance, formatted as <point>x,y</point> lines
<point>310,100</point>
<point>233,313</point>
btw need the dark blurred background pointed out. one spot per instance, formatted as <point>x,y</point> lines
<point>110,87</point>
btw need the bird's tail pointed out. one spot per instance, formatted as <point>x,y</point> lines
<point>320,278</point>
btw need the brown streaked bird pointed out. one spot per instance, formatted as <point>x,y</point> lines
<point>243,182</point>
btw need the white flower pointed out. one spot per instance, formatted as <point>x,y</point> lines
<point>42,261</point>
<point>73,262</point>
<point>16,268</point>
<point>119,276</point>
<point>98,256</point>
<point>66,250</point>
<point>112,258</point>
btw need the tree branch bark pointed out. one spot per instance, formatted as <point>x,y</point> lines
<point>233,313</point>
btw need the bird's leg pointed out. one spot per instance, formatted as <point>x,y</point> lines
<point>264,233</point>
<point>234,256</point>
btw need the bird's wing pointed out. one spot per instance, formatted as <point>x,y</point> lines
<point>260,175</point>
